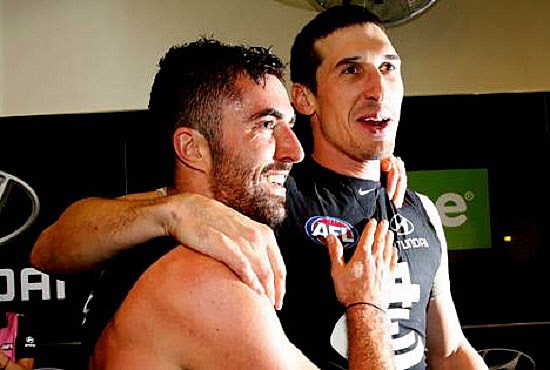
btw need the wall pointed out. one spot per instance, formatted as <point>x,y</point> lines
<point>472,46</point>
<point>64,56</point>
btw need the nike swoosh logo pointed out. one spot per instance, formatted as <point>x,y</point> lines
<point>365,192</point>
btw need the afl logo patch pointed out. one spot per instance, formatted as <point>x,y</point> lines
<point>319,227</point>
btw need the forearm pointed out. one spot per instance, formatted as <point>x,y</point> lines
<point>94,230</point>
<point>447,346</point>
<point>369,339</point>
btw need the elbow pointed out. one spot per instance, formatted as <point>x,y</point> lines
<point>40,258</point>
<point>37,260</point>
<point>462,357</point>
<point>43,263</point>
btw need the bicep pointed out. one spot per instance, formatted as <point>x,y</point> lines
<point>443,328</point>
<point>446,343</point>
<point>444,333</point>
<point>441,281</point>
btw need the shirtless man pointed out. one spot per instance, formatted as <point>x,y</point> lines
<point>160,306</point>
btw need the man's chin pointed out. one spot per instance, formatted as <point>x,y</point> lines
<point>275,217</point>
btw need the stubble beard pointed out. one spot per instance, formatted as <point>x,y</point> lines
<point>232,184</point>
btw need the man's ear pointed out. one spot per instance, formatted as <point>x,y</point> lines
<point>303,99</point>
<point>191,148</point>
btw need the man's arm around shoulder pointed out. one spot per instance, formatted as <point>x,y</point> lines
<point>94,230</point>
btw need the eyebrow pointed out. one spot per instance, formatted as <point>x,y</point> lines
<point>271,112</point>
<point>392,57</point>
<point>357,58</point>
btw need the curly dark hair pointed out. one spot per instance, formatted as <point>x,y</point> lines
<point>195,78</point>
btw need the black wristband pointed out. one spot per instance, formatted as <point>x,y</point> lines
<point>363,304</point>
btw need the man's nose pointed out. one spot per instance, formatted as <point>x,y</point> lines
<point>373,86</point>
<point>288,148</point>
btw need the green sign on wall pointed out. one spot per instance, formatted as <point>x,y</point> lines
<point>462,200</point>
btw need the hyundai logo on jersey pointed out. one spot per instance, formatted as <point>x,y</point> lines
<point>319,227</point>
<point>401,225</point>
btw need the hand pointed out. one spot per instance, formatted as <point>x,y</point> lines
<point>368,275</point>
<point>247,247</point>
<point>396,178</point>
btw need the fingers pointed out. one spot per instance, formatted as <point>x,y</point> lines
<point>336,251</point>
<point>390,252</point>
<point>247,247</point>
<point>279,273</point>
<point>378,248</point>
<point>391,175</point>
<point>267,279</point>
<point>241,265</point>
<point>364,246</point>
<point>401,183</point>
<point>263,254</point>
<point>396,179</point>
<point>368,275</point>
<point>383,249</point>
<point>388,247</point>
<point>255,258</point>
<point>393,262</point>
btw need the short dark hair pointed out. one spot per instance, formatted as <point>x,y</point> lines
<point>304,59</point>
<point>194,79</point>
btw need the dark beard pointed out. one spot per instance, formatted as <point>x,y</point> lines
<point>232,185</point>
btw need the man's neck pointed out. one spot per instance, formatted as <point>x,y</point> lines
<point>344,165</point>
<point>190,181</point>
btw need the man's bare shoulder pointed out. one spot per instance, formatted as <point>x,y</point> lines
<point>191,300</point>
<point>185,270</point>
<point>196,288</point>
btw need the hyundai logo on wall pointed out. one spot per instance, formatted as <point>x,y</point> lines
<point>19,207</point>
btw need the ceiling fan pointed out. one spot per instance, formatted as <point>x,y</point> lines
<point>390,12</point>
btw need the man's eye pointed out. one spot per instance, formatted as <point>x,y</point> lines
<point>270,125</point>
<point>351,70</point>
<point>387,66</point>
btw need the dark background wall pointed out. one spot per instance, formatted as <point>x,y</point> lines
<point>63,158</point>
<point>499,292</point>
<point>509,135</point>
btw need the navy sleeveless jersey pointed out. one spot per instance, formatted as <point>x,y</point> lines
<point>322,202</point>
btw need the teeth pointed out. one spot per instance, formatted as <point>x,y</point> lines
<point>276,179</point>
<point>377,119</point>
